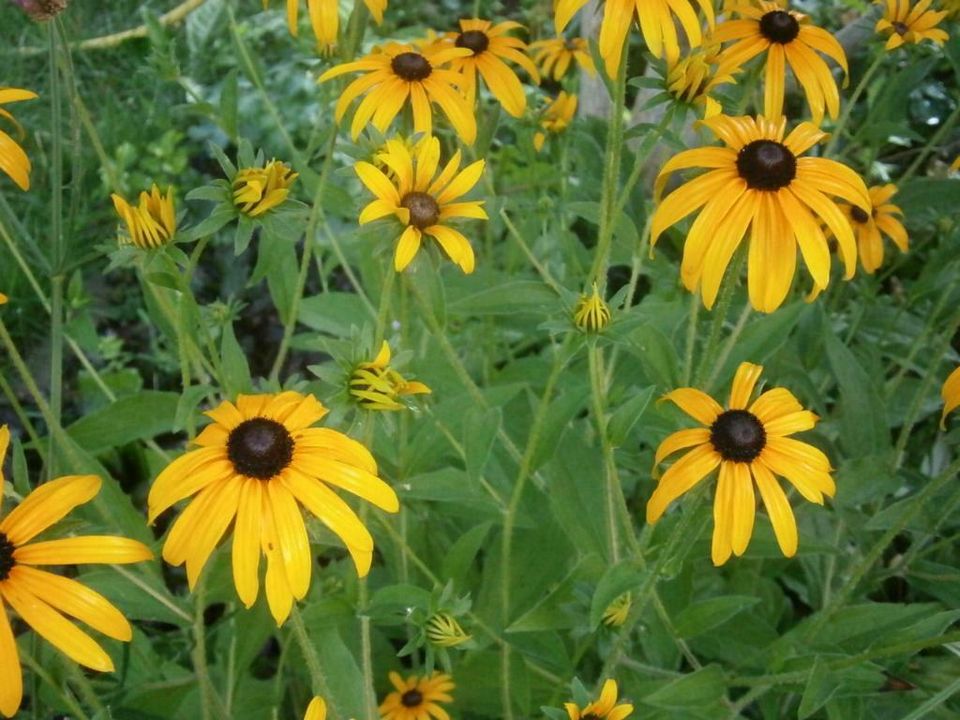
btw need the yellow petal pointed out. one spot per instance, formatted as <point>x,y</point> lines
<point>695,403</point>
<point>47,505</point>
<point>317,710</point>
<point>743,384</point>
<point>245,556</point>
<point>84,550</point>
<point>11,689</point>
<point>779,510</point>
<point>723,504</point>
<point>680,477</point>
<point>350,478</point>
<point>292,537</point>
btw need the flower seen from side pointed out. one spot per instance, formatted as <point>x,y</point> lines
<point>951,395</point>
<point>905,22</point>
<point>556,118</point>
<point>868,226</point>
<point>693,78</point>
<point>3,301</point>
<point>396,75</point>
<point>555,56</point>
<point>605,708</point>
<point>423,201</point>
<point>591,313</point>
<point>13,160</point>
<point>443,630</point>
<point>760,182</point>
<point>256,464</point>
<point>258,190</point>
<point>787,38</point>
<point>377,386</point>
<point>750,445</point>
<point>152,223</point>
<point>325,18</point>
<point>417,697</point>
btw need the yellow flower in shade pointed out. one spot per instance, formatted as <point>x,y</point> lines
<point>325,18</point>
<point>955,165</point>
<point>376,386</point>
<point>443,630</point>
<point>490,45</point>
<point>788,39</point>
<point>556,118</point>
<point>151,224</point>
<point>951,395</point>
<point>605,708</point>
<point>906,23</point>
<point>868,226</point>
<point>616,614</point>
<point>417,698</point>
<point>656,19</point>
<point>556,56</point>
<point>591,314</point>
<point>258,190</point>
<point>256,461</point>
<point>316,710</point>
<point>3,299</point>
<point>692,79</point>
<point>759,181</point>
<point>743,443</point>
<point>13,160</point>
<point>41,598</point>
<point>422,202</point>
<point>396,74</point>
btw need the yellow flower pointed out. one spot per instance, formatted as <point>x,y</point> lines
<point>41,598</point>
<point>743,443</point>
<point>868,226</point>
<point>258,190</point>
<point>396,74</point>
<point>417,698</point>
<point>955,165</point>
<point>151,224</point>
<point>591,314</point>
<point>317,710</point>
<point>420,201</point>
<point>906,23</point>
<point>376,386</point>
<point>759,181</point>
<point>489,46</point>
<point>556,118</point>
<point>556,56</point>
<point>656,23</point>
<point>616,614</point>
<point>3,299</point>
<point>691,80</point>
<point>443,630</point>
<point>13,160</point>
<point>605,708</point>
<point>256,460</point>
<point>325,18</point>
<point>788,39</point>
<point>951,396</point>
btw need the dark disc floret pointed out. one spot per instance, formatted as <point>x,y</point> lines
<point>412,698</point>
<point>900,27</point>
<point>260,448</point>
<point>475,40</point>
<point>738,435</point>
<point>859,214</point>
<point>424,210</point>
<point>411,66</point>
<point>766,165</point>
<point>6,557</point>
<point>779,26</point>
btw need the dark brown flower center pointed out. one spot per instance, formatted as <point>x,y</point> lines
<point>779,26</point>
<point>6,557</point>
<point>424,210</point>
<point>738,435</point>
<point>900,27</point>
<point>411,66</point>
<point>766,165</point>
<point>260,448</point>
<point>473,40</point>
<point>412,698</point>
<point>859,214</point>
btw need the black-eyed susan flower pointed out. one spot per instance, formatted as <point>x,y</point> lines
<point>693,78</point>
<point>554,57</point>
<point>13,160</point>
<point>788,38</point>
<point>422,200</point>
<point>907,23</point>
<point>377,386</point>
<point>591,313</point>
<point>153,222</point>
<point>555,118</point>
<point>417,698</point>
<point>745,441</point>
<point>605,708</point>
<point>760,182</point>
<point>490,45</point>
<point>258,459</point>
<point>397,74</point>
<point>325,18</point>
<point>656,20</point>
<point>258,190</point>
<point>443,630</point>
<point>617,612</point>
<point>316,710</point>
<point>951,395</point>
<point>42,599</point>
<point>882,218</point>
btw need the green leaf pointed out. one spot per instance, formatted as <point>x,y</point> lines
<point>701,689</point>
<point>657,355</point>
<point>138,417</point>
<point>228,104</point>
<point>863,428</point>
<point>627,415</point>
<point>234,368</point>
<point>333,312</point>
<point>506,298</point>
<point>928,195</point>
<point>820,687</point>
<point>617,580</point>
<point>704,615</point>
<point>480,429</point>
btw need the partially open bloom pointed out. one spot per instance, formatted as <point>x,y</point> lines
<point>489,46</point>
<point>656,19</point>
<point>760,182</point>
<point>325,18</point>
<point>256,461</point>
<point>395,74</point>
<point>951,395</point>
<point>556,56</point>
<point>13,160</point>
<point>693,78</point>
<point>258,190</point>
<point>417,698</point>
<point>617,612</point>
<point>443,630</point>
<point>881,218</point>
<point>788,38</point>
<point>744,441</point>
<point>151,224</point>
<point>906,23</point>
<point>377,386</point>
<point>591,314</point>
<point>556,118</point>
<point>316,710</point>
<point>42,599</point>
<point>605,708</point>
<point>422,202</point>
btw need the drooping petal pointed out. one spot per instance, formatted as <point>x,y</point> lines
<point>48,504</point>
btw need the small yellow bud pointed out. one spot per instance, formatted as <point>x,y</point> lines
<point>259,190</point>
<point>443,630</point>
<point>616,614</point>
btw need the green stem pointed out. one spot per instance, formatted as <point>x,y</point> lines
<point>210,704</point>
<point>729,345</point>
<point>56,239</point>
<point>691,339</point>
<point>852,102</point>
<point>386,293</point>
<point>597,393</point>
<point>720,312</point>
<point>317,677</point>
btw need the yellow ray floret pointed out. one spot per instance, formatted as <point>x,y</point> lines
<point>554,57</point>
<point>153,222</point>
<point>882,219</point>
<point>906,23</point>
<point>951,395</point>
<point>417,698</point>
<point>605,708</point>
<point>377,386</point>
<point>13,160</point>
<point>325,18</point>
<point>556,118</point>
<point>317,710</point>
<point>257,191</point>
